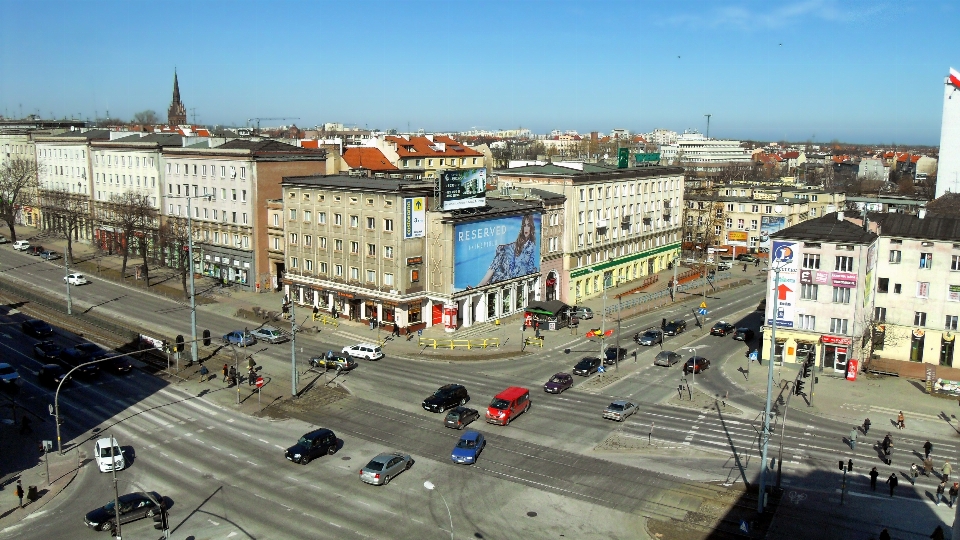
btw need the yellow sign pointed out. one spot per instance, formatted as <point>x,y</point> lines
<point>737,236</point>
<point>703,305</point>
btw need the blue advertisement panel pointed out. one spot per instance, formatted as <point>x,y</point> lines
<point>768,226</point>
<point>486,252</point>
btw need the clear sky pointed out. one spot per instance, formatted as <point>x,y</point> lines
<point>817,70</point>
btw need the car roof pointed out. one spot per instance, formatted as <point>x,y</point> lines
<point>106,441</point>
<point>453,386</point>
<point>371,345</point>
<point>470,436</point>
<point>512,392</point>
<point>386,456</point>
<point>316,433</point>
<point>50,367</point>
<point>621,402</point>
<point>561,374</point>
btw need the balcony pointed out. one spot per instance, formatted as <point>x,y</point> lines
<point>601,226</point>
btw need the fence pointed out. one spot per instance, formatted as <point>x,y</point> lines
<point>454,343</point>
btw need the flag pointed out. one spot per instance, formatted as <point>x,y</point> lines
<point>955,77</point>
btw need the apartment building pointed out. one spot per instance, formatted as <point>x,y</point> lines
<point>430,154</point>
<point>18,141</point>
<point>225,190</point>
<point>619,225</point>
<point>65,166</point>
<point>820,291</point>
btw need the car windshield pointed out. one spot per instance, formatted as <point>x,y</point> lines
<point>442,392</point>
<point>651,334</point>
<point>499,404</point>
<point>374,466</point>
<point>455,415</point>
<point>557,379</point>
<point>615,407</point>
<point>105,452</point>
<point>467,443</point>
<point>305,442</point>
<point>7,370</point>
<point>585,363</point>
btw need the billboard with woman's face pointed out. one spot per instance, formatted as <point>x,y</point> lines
<point>486,252</point>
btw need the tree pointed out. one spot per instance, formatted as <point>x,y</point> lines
<point>67,214</point>
<point>174,239</point>
<point>18,187</point>
<point>146,118</point>
<point>131,216</point>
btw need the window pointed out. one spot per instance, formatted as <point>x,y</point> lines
<point>951,323</point>
<point>371,223</point>
<point>355,247</point>
<point>811,260</point>
<point>388,225</point>
<point>387,252</point>
<point>354,272</point>
<point>926,260</point>
<point>338,245</point>
<point>896,288</point>
<point>919,318</point>
<point>243,172</point>
<point>246,241</point>
<point>808,291</point>
<point>388,279</point>
<point>323,242</point>
<point>371,250</point>
<point>322,218</point>
<point>371,276</point>
<point>243,195</point>
<point>923,289</point>
<point>883,285</point>
<point>293,238</point>
<point>338,270</point>
<point>307,216</point>
<point>308,264</point>
<point>880,314</point>
<point>233,216</point>
<point>293,214</point>
<point>806,322</point>
<point>354,221</point>
<point>841,295</point>
<point>955,263</point>
<point>838,326</point>
<point>293,262</point>
<point>307,240</point>
<point>323,268</point>
<point>895,256</point>
<point>844,264</point>
<point>337,219</point>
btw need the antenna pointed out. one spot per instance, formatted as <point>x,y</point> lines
<point>708,124</point>
<point>193,113</point>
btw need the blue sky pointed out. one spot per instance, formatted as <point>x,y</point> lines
<point>802,70</point>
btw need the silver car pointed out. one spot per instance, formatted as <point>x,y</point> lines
<point>269,334</point>
<point>666,358</point>
<point>619,410</point>
<point>384,467</point>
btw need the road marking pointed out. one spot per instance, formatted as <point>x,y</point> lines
<point>263,441</point>
<point>254,464</point>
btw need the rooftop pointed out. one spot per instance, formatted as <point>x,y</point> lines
<point>827,229</point>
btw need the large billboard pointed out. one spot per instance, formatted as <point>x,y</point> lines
<point>414,217</point>
<point>785,257</point>
<point>487,252</point>
<point>768,226</point>
<point>463,188</point>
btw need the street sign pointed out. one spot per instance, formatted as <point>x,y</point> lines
<point>259,382</point>
<point>702,311</point>
<point>753,355</point>
<point>703,305</point>
<point>744,526</point>
<point>601,369</point>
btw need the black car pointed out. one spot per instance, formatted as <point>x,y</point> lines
<point>722,328</point>
<point>586,366</point>
<point>459,417</point>
<point>118,366</point>
<point>613,355</point>
<point>696,364</point>
<point>446,397</point>
<point>746,257</point>
<point>50,375</point>
<point>312,445</point>
<point>674,328</point>
<point>47,350</point>
<point>93,351</point>
<point>743,334</point>
<point>36,328</point>
<point>652,336</point>
<point>133,506</point>
<point>71,358</point>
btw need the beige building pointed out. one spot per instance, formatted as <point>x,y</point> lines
<point>65,165</point>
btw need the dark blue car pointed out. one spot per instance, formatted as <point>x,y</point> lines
<point>468,448</point>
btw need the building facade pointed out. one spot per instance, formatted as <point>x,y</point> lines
<point>697,153</point>
<point>65,166</point>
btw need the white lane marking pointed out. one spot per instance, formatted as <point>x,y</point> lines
<point>263,441</point>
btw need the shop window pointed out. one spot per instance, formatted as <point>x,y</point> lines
<point>879,336</point>
<point>518,297</point>
<point>414,315</point>
<point>946,351</point>
<point>491,305</point>
<point>916,347</point>
<point>505,301</point>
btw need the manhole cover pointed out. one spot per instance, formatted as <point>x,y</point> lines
<point>345,458</point>
<point>531,514</point>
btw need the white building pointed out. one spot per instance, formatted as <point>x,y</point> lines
<point>948,177</point>
<point>661,136</point>
<point>696,152</point>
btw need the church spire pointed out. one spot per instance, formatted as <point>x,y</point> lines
<point>177,113</point>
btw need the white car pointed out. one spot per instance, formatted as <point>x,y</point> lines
<point>102,452</point>
<point>21,245</point>
<point>75,279</point>
<point>364,350</point>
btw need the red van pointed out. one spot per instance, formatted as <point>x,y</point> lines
<point>507,405</point>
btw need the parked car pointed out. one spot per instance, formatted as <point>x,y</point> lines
<point>9,376</point>
<point>460,417</point>
<point>696,364</point>
<point>587,366</point>
<point>133,506</point>
<point>50,375</point>
<point>667,358</point>
<point>468,448</point>
<point>381,469</point>
<point>508,405</point>
<point>364,350</point>
<point>746,257</point>
<point>582,312</point>
<point>722,328</point>
<point>619,410</point>
<point>3,239</point>
<point>106,461</point>
<point>46,350</point>
<point>312,445</point>
<point>269,334</point>
<point>336,362</point>
<point>558,383</point>
<point>724,265</point>
<point>239,338</point>
<point>75,279</point>
<point>743,334</point>
<point>49,255</point>
<point>21,245</point>
<point>71,358</point>
<point>36,250</point>
<point>649,337</point>
<point>36,328</point>
<point>675,327</point>
<point>613,355</point>
<point>446,397</point>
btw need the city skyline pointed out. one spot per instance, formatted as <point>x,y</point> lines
<point>814,70</point>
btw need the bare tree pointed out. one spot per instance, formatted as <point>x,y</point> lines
<point>18,187</point>
<point>146,118</point>
<point>67,214</point>
<point>129,215</point>
<point>174,238</point>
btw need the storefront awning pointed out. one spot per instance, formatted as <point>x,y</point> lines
<point>550,308</point>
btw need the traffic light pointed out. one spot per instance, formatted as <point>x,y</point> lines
<point>806,370</point>
<point>206,338</point>
<point>160,520</point>
<point>841,464</point>
<point>798,389</point>
<point>179,343</point>
<point>166,346</point>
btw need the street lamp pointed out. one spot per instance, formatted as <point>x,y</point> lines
<point>193,296</point>
<point>287,302</point>
<point>429,485</point>
<point>66,278</point>
<point>766,410</point>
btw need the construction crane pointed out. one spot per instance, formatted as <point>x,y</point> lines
<point>257,129</point>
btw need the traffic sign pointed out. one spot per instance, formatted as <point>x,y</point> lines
<point>703,305</point>
<point>753,355</point>
<point>702,311</point>
<point>601,369</point>
<point>259,382</point>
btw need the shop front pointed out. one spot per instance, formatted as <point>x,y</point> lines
<point>229,270</point>
<point>835,352</point>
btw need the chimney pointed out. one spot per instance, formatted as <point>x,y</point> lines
<point>839,216</point>
<point>922,213</point>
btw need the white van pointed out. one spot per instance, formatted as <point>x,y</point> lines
<point>21,245</point>
<point>104,460</point>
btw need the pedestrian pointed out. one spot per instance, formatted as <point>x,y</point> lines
<point>226,371</point>
<point>900,424</point>
<point>744,267</point>
<point>890,453</point>
<point>946,470</point>
<point>927,467</point>
<point>874,473</point>
<point>756,263</point>
<point>233,375</point>
<point>251,376</point>
<point>853,439</point>
<point>954,491</point>
<point>940,489</point>
<point>536,331</point>
<point>203,373</point>
<point>884,534</point>
<point>927,448</point>
<point>938,533</point>
<point>329,355</point>
<point>914,473</point>
<point>396,329</point>
<point>251,363</point>
<point>866,426</point>
<point>892,480</point>
<point>19,492</point>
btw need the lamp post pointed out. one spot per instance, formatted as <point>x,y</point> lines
<point>294,376</point>
<point>66,278</point>
<point>429,485</point>
<point>766,409</point>
<point>192,292</point>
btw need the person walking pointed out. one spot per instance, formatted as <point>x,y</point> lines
<point>756,263</point>
<point>866,426</point>
<point>744,267</point>
<point>940,489</point>
<point>874,473</point>
<point>232,375</point>
<point>914,473</point>
<point>226,371</point>
<point>927,448</point>
<point>954,491</point>
<point>19,492</point>
<point>892,480</point>
<point>396,329</point>
<point>890,453</point>
<point>946,470</point>
<point>203,373</point>
<point>251,376</point>
<point>900,424</point>
<point>853,439</point>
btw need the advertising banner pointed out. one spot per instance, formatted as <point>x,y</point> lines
<point>784,256</point>
<point>847,280</point>
<point>463,188</point>
<point>414,217</point>
<point>486,252</point>
<point>768,226</point>
<point>737,236</point>
<point>814,277</point>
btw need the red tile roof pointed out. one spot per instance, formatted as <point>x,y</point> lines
<point>791,155</point>
<point>422,147</point>
<point>371,159</point>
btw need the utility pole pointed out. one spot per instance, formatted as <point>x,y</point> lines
<point>116,492</point>
<point>66,274</point>
<point>761,503</point>
<point>288,299</point>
